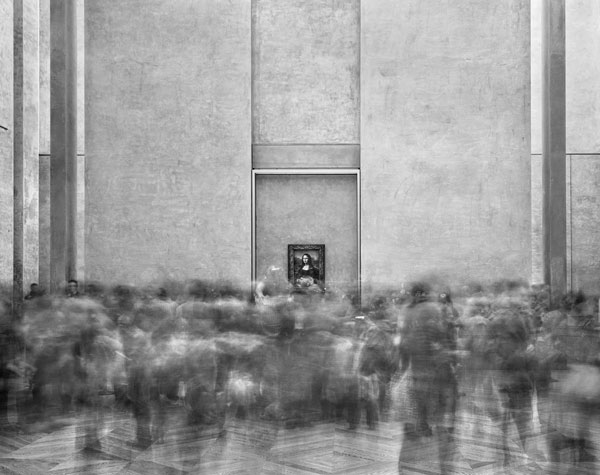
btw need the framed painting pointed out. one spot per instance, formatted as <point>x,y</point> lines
<point>306,265</point>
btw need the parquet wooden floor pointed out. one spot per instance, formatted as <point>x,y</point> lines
<point>263,447</point>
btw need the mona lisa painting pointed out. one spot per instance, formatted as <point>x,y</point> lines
<point>306,266</point>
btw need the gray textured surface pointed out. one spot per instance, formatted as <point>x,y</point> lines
<point>306,156</point>
<point>44,105</point>
<point>585,222</point>
<point>29,115</point>
<point>537,239</point>
<point>6,141</point>
<point>303,209</point>
<point>583,71</point>
<point>445,139</point>
<point>168,140</point>
<point>306,71</point>
<point>536,76</point>
<point>80,76</point>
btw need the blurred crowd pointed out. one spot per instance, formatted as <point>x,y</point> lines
<point>412,355</point>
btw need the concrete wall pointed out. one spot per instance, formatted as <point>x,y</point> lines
<point>585,222</point>
<point>306,79</point>
<point>445,132</point>
<point>583,70</point>
<point>168,139</point>
<point>6,142</point>
<point>26,146</point>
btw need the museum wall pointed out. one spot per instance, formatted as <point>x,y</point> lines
<point>26,132</point>
<point>445,147</point>
<point>6,141</point>
<point>168,140</point>
<point>305,71</point>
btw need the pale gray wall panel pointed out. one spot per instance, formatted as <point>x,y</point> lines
<point>445,139</point>
<point>6,142</point>
<point>585,222</point>
<point>44,94</point>
<point>306,71</point>
<point>582,18</point>
<point>168,140</point>
<point>306,156</point>
<point>29,117</point>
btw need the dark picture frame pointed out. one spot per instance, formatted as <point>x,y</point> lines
<point>317,254</point>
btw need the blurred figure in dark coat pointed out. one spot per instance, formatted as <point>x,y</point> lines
<point>427,354</point>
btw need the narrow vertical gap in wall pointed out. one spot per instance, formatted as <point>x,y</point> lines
<point>570,223</point>
<point>253,52</point>
<point>359,62</point>
<point>359,180</point>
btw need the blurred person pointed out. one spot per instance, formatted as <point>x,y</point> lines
<point>197,312</point>
<point>94,291</point>
<point>427,358</point>
<point>72,289</point>
<point>371,369</point>
<point>137,348</point>
<point>243,357</point>
<point>568,391</point>
<point>273,288</point>
<point>155,385</point>
<point>48,336</point>
<point>34,291</point>
<point>338,366</point>
<point>569,415</point>
<point>94,351</point>
<point>580,311</point>
<point>475,372</point>
<point>7,359</point>
<point>515,375</point>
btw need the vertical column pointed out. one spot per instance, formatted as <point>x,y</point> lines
<point>25,148</point>
<point>80,230</point>
<point>17,157</point>
<point>554,223</point>
<point>63,142</point>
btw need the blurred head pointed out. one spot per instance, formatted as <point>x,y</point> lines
<point>445,297</point>
<point>419,292</point>
<point>507,334</point>
<point>574,301</point>
<point>72,287</point>
<point>162,293</point>
<point>198,289</point>
<point>94,290</point>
